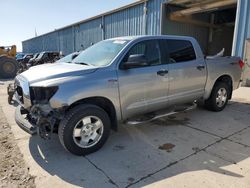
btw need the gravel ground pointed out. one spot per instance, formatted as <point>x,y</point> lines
<point>13,170</point>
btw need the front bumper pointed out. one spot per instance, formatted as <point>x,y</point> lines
<point>23,122</point>
<point>40,119</point>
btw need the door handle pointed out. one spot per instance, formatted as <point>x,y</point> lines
<point>162,72</point>
<point>200,67</point>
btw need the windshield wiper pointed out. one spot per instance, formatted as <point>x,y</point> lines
<point>82,63</point>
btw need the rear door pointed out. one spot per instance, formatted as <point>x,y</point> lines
<point>187,72</point>
<point>145,88</point>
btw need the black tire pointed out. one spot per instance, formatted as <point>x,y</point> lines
<point>8,67</point>
<point>66,128</point>
<point>211,103</point>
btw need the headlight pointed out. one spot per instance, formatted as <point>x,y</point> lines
<point>42,93</point>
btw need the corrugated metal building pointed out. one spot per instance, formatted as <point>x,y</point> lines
<point>214,23</point>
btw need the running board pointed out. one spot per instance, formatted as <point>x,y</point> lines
<point>137,122</point>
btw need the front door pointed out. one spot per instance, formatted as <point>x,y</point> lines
<point>144,88</point>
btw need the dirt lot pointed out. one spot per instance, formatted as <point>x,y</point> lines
<point>13,170</point>
<point>194,149</point>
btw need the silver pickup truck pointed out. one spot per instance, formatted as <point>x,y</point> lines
<point>120,80</point>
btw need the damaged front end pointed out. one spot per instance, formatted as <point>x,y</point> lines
<point>39,117</point>
<point>44,118</point>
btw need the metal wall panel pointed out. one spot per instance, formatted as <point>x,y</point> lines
<point>124,23</point>
<point>154,16</point>
<point>129,21</point>
<point>66,40</point>
<point>48,42</point>
<point>242,27</point>
<point>34,45</point>
<point>87,33</point>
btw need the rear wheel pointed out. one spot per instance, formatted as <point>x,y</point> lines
<point>8,67</point>
<point>84,129</point>
<point>219,97</point>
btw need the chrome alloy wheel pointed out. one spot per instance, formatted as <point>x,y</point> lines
<point>88,131</point>
<point>221,97</point>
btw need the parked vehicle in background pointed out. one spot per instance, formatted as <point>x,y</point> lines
<point>45,57</point>
<point>19,55</point>
<point>26,57</point>
<point>119,80</point>
<point>32,60</point>
<point>69,58</point>
<point>23,63</point>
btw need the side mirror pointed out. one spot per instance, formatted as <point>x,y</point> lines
<point>137,60</point>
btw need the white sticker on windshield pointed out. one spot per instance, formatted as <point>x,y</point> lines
<point>119,41</point>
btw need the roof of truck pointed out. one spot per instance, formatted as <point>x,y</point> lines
<point>152,37</point>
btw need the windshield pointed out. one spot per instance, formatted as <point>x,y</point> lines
<point>101,54</point>
<point>66,59</point>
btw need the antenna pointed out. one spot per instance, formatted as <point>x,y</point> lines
<point>35,33</point>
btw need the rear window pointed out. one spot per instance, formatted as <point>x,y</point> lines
<point>180,51</point>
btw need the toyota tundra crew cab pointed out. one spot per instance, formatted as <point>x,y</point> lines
<point>117,80</point>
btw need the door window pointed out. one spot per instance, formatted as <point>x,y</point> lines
<point>149,49</point>
<point>180,51</point>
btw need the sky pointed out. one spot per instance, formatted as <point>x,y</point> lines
<point>20,18</point>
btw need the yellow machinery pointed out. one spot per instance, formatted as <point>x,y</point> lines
<point>8,63</point>
<point>8,51</point>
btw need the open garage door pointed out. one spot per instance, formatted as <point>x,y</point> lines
<point>211,22</point>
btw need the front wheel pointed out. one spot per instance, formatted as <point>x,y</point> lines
<point>219,97</point>
<point>84,129</point>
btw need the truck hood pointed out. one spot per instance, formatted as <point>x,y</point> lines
<point>56,70</point>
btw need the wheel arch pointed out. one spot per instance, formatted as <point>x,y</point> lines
<point>226,78</point>
<point>103,103</point>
